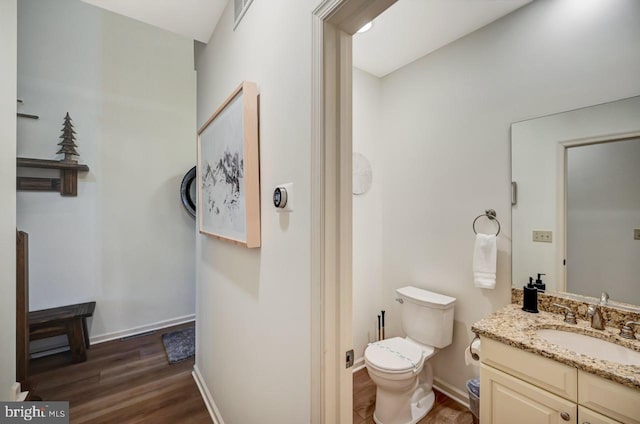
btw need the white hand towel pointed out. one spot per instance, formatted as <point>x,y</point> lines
<point>484,261</point>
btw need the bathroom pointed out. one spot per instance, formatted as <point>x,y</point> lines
<point>439,156</point>
<point>452,112</point>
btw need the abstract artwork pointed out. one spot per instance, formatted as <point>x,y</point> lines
<point>228,170</point>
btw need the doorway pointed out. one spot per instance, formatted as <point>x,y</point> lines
<point>334,23</point>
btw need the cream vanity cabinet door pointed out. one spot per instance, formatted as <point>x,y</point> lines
<point>608,398</point>
<point>587,416</point>
<point>507,400</point>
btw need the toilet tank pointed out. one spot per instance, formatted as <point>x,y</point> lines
<point>427,317</point>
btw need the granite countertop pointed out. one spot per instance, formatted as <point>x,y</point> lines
<point>514,327</point>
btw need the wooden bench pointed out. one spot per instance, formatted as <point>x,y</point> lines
<point>70,321</point>
<point>66,320</point>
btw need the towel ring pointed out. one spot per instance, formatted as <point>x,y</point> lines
<point>489,213</point>
<point>474,355</point>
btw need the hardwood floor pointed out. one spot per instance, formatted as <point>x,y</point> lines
<point>122,381</point>
<point>445,410</point>
<point>130,381</point>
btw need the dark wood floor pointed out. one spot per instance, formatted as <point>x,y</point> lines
<point>128,381</point>
<point>445,410</point>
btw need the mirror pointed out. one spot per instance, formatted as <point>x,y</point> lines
<point>577,188</point>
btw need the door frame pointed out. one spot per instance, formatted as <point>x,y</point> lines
<point>334,23</point>
<point>561,190</point>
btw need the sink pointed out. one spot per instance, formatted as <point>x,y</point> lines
<point>591,346</point>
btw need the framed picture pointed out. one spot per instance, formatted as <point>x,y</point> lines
<point>229,170</point>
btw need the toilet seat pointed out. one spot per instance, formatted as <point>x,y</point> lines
<point>395,355</point>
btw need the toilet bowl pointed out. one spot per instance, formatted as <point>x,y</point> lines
<point>404,380</point>
<point>400,367</point>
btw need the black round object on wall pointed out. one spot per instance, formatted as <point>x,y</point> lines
<point>280,197</point>
<point>188,192</point>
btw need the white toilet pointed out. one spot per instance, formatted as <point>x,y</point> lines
<point>399,366</point>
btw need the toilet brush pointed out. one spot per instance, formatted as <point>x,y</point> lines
<point>382,325</point>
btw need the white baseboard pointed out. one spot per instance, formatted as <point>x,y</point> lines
<point>56,347</point>
<point>453,392</point>
<point>101,338</point>
<point>206,396</point>
<point>16,394</point>
<point>50,351</point>
<point>358,364</point>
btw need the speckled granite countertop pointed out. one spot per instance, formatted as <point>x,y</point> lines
<point>514,327</point>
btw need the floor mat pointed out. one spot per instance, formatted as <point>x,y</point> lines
<point>180,345</point>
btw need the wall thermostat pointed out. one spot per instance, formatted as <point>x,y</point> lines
<point>282,197</point>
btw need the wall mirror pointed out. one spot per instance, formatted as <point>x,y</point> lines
<point>576,203</point>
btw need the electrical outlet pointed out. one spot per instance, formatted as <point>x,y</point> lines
<point>636,234</point>
<point>543,236</point>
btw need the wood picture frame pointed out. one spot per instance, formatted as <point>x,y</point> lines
<point>229,170</point>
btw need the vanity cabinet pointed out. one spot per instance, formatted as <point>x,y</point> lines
<point>519,386</point>
<point>506,400</point>
<point>587,416</point>
<point>608,398</point>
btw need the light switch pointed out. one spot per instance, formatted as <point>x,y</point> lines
<point>543,236</point>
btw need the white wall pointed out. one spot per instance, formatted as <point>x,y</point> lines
<point>253,305</point>
<point>446,120</point>
<point>125,241</point>
<point>367,212</point>
<point>603,208</point>
<point>447,117</point>
<point>8,32</point>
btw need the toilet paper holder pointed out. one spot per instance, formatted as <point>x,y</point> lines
<point>474,355</point>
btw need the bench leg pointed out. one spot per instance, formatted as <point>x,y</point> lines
<point>75,335</point>
<point>85,332</point>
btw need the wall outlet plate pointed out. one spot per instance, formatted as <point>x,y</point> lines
<point>542,236</point>
<point>636,234</point>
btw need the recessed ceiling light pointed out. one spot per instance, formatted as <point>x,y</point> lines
<point>366,27</point>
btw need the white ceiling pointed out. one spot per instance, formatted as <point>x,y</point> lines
<point>411,29</point>
<point>405,32</point>
<point>192,18</point>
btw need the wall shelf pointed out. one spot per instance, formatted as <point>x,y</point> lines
<point>67,184</point>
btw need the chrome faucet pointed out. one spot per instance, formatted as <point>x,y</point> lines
<point>595,312</point>
<point>627,332</point>
<point>597,320</point>
<point>569,316</point>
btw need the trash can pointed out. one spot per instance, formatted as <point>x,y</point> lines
<point>473,387</point>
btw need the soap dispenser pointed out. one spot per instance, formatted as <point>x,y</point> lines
<point>530,297</point>
<point>539,284</point>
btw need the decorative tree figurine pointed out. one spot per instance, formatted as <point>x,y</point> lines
<point>67,145</point>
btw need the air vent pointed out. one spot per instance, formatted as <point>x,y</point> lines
<point>240,7</point>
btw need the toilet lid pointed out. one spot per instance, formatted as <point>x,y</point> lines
<point>393,355</point>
